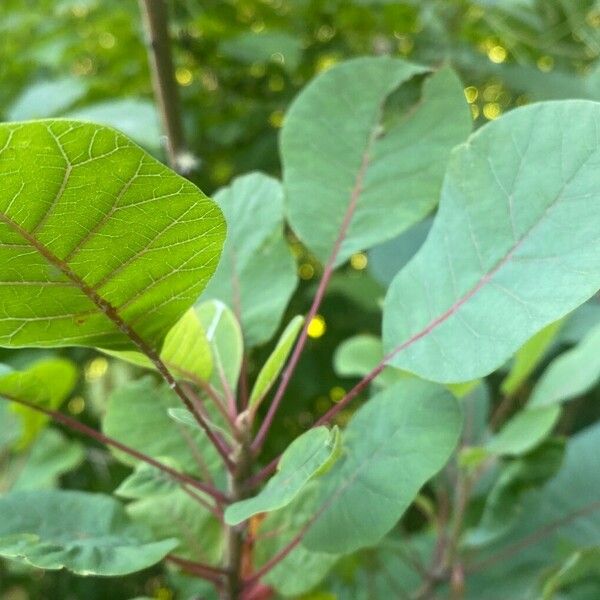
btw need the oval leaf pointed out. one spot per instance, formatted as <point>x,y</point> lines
<point>397,441</point>
<point>344,158</point>
<point>88,534</point>
<point>91,226</point>
<point>513,248</point>
<point>306,457</point>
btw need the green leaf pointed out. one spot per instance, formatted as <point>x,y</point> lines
<point>148,481</point>
<point>185,351</point>
<point>51,456</point>
<point>276,361</point>
<point>580,565</point>
<point>524,431</point>
<point>179,516</point>
<point>257,272</point>
<point>136,415</point>
<point>134,117</point>
<point>388,258</point>
<point>570,375</point>
<point>302,569</point>
<point>508,247</point>
<point>224,337</point>
<point>308,456</point>
<point>359,355</point>
<point>397,441</point>
<point>110,231</point>
<point>47,383</point>
<point>88,534</point>
<point>47,98</point>
<point>562,516</point>
<point>505,500</point>
<point>528,357</point>
<point>343,158</point>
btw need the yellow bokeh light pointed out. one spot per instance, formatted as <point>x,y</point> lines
<point>474,111</point>
<point>545,63</point>
<point>276,83</point>
<point>183,76</point>
<point>325,62</point>
<point>491,110</point>
<point>359,261</point>
<point>497,54</point>
<point>76,405</point>
<point>257,70</point>
<point>96,369</point>
<point>471,94</point>
<point>276,119</point>
<point>317,327</point>
<point>306,271</point>
<point>337,393</point>
<point>107,40</point>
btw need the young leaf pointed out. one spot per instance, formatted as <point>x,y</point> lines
<point>185,351</point>
<point>276,361</point>
<point>136,415</point>
<point>397,441</point>
<point>88,534</point>
<point>92,227</point>
<point>257,272</point>
<point>306,457</point>
<point>224,337</point>
<point>342,160</point>
<point>47,383</point>
<point>528,357</point>
<point>524,431</point>
<point>517,227</point>
<point>570,375</point>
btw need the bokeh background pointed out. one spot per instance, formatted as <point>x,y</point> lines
<point>239,64</point>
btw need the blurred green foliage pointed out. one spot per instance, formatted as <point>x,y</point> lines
<point>239,64</point>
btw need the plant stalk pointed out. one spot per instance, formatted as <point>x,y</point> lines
<point>155,18</point>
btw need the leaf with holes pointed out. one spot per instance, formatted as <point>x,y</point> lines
<point>364,149</point>
<point>514,246</point>
<point>97,238</point>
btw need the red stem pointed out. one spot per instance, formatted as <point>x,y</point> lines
<point>108,441</point>
<point>202,570</point>
<point>320,294</point>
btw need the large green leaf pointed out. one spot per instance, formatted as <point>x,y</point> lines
<point>257,273</point>
<point>306,457</point>
<point>276,361</point>
<point>513,248</point>
<point>137,415</point>
<point>554,521</point>
<point>46,383</point>
<point>343,157</point>
<point>88,534</point>
<point>401,438</point>
<point>90,225</point>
